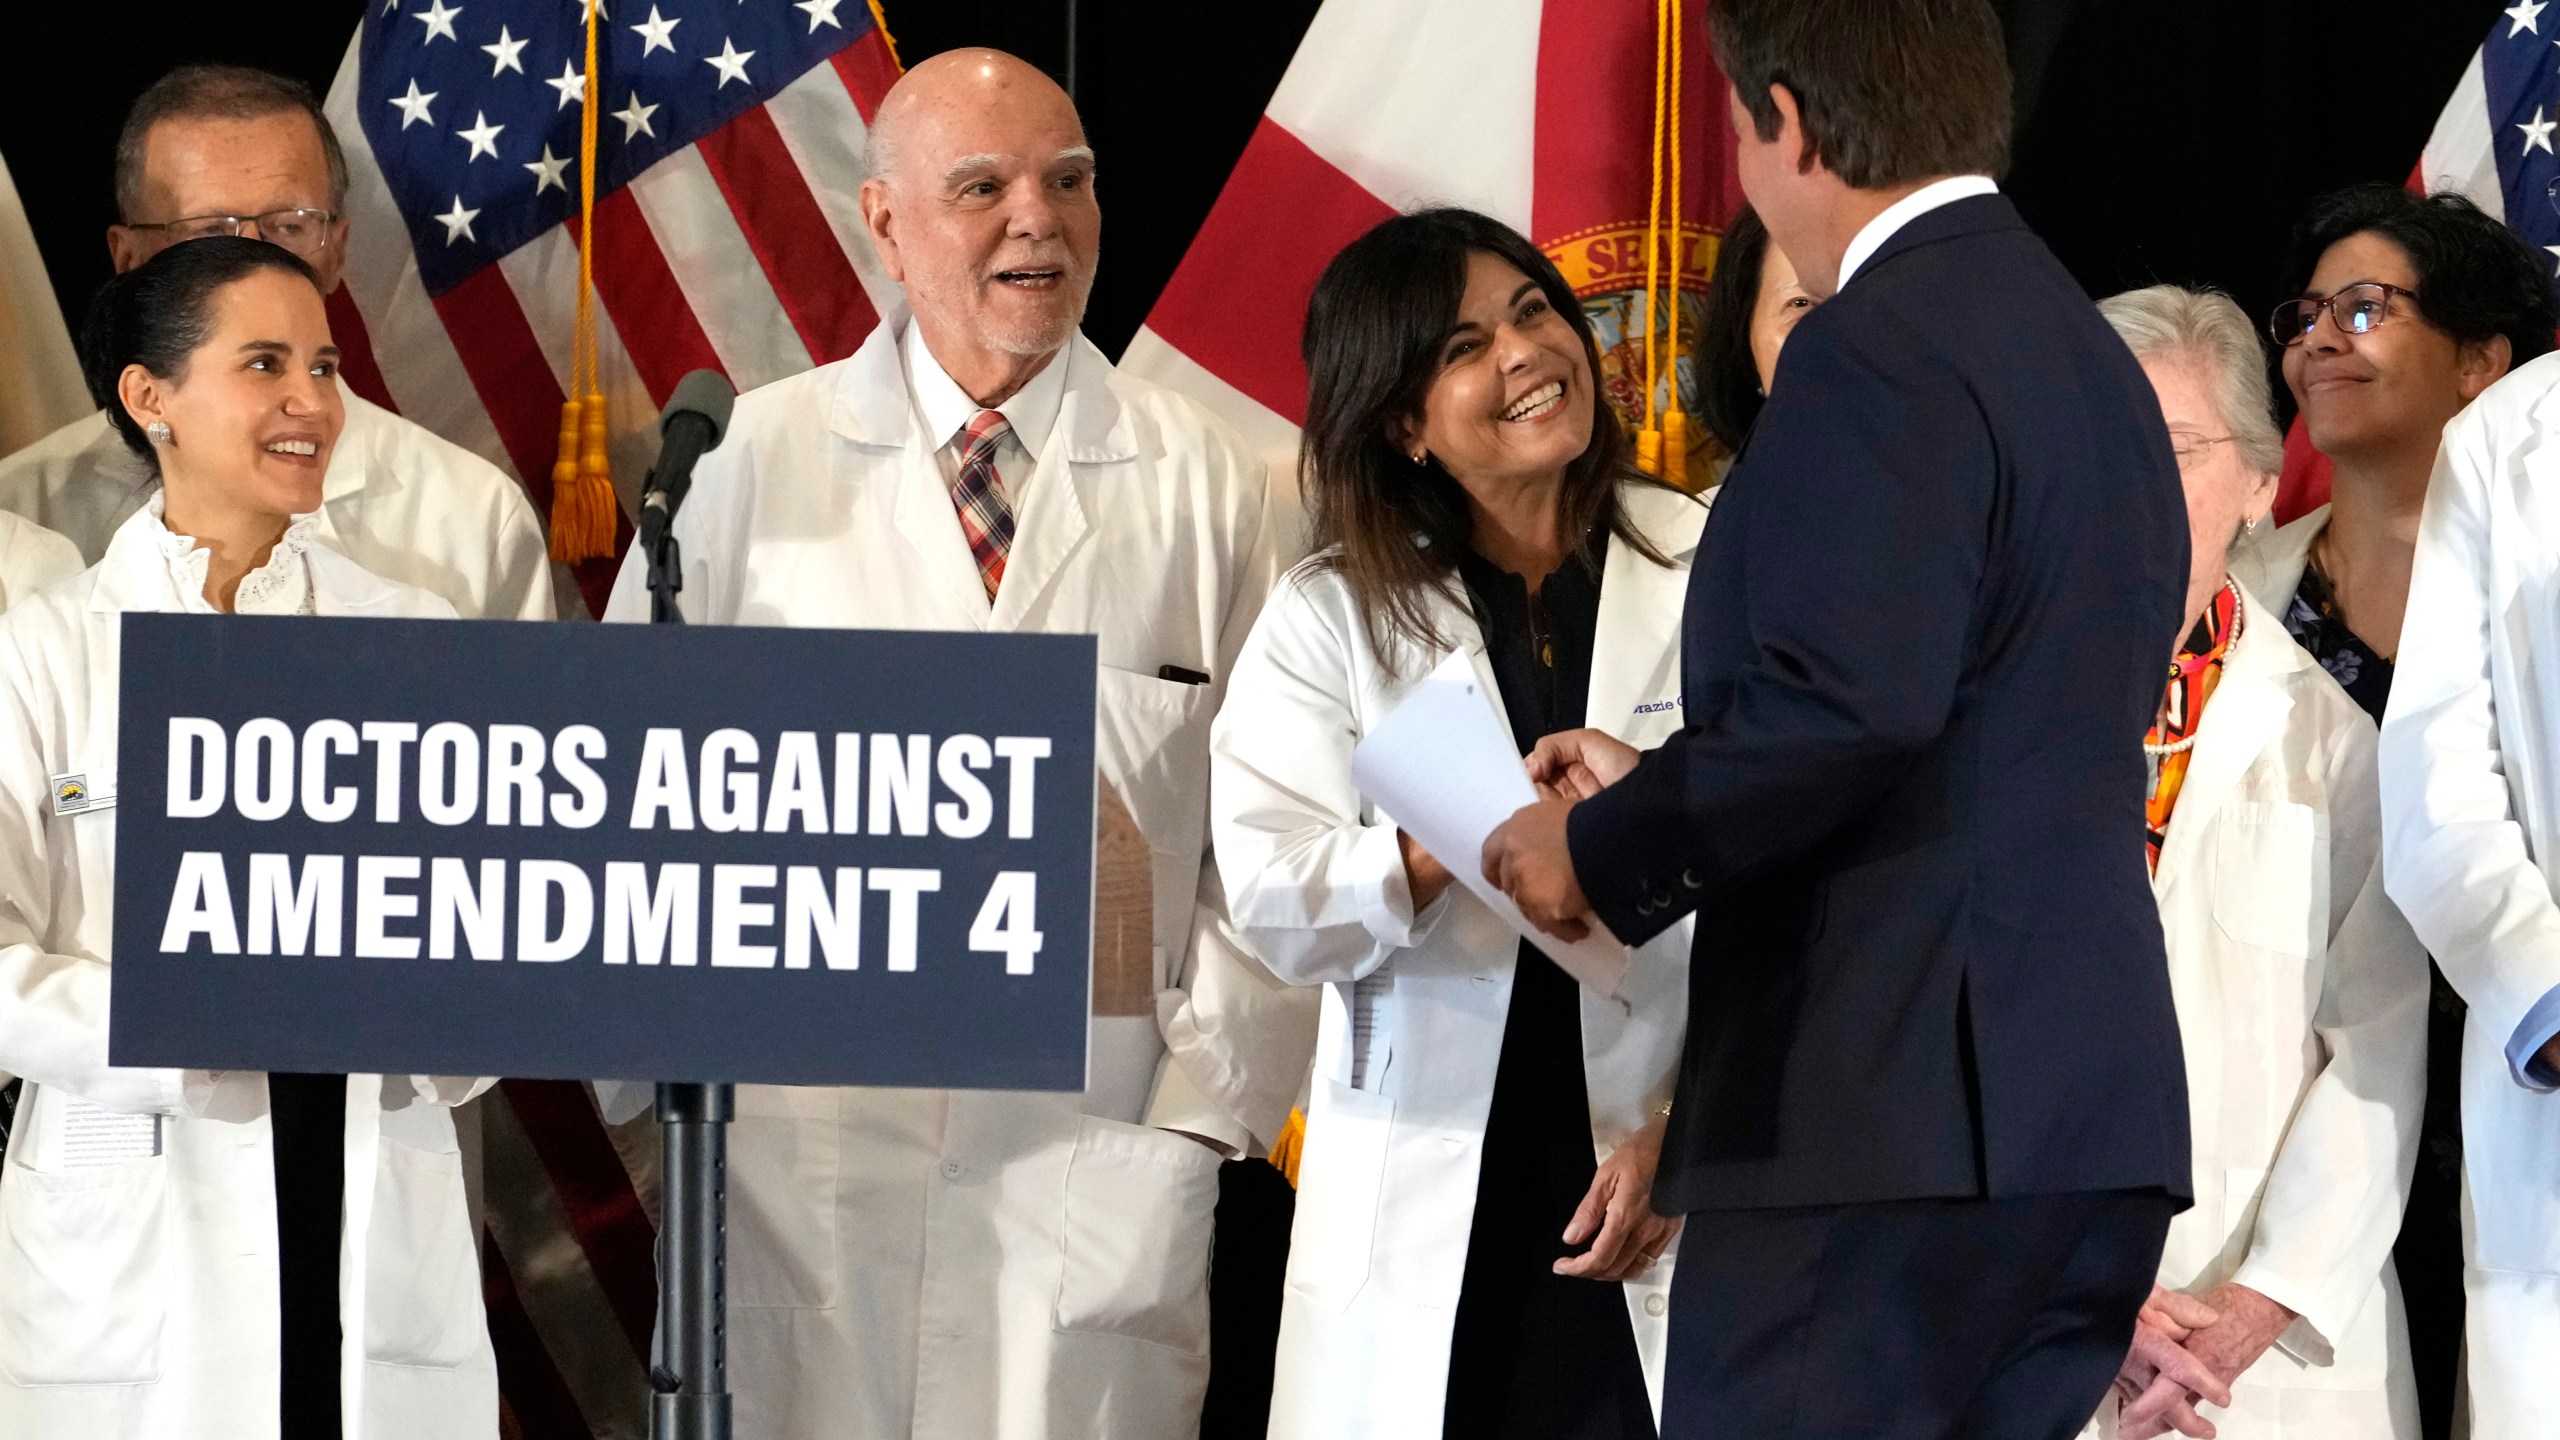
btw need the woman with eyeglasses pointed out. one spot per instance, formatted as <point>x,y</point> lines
<point>2300,991</point>
<point>2407,308</point>
<point>192,1252</point>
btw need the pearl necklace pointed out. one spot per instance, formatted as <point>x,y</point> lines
<point>2153,754</point>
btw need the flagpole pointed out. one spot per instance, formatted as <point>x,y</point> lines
<point>1071,49</point>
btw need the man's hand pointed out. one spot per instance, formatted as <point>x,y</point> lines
<point>2160,1380</point>
<point>2248,1323</point>
<point>1579,764</point>
<point>2548,1057</point>
<point>1620,1207</point>
<point>1527,859</point>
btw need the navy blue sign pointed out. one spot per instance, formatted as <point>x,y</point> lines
<point>604,851</point>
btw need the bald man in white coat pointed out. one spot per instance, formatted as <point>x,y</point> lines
<point>977,1265</point>
<point>223,144</point>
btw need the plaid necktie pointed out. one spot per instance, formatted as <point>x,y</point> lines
<point>986,517</point>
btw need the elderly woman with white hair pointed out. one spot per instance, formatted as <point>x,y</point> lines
<point>2301,993</point>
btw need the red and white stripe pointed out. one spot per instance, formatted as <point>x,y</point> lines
<point>743,253</point>
<point>1386,106</point>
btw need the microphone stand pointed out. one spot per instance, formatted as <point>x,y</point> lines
<point>689,1366</point>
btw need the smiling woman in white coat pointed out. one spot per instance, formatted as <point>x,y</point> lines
<point>192,1253</point>
<point>2301,992</point>
<point>1475,1253</point>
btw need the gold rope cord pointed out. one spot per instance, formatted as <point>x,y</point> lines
<point>1675,421</point>
<point>583,508</point>
<point>1649,439</point>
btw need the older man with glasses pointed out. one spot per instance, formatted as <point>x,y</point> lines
<point>222,150</point>
<point>2407,308</point>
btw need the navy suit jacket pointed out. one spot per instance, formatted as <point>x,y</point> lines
<point>1930,620</point>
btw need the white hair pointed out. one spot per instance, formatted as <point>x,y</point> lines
<point>2204,327</point>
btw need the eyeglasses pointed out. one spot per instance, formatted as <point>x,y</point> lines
<point>2356,309</point>
<point>2193,449</point>
<point>304,232</point>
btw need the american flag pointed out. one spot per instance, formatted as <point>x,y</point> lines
<point>728,235</point>
<point>2493,146</point>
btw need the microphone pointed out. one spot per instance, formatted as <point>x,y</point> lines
<point>690,426</point>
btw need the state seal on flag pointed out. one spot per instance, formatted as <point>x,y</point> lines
<point>1605,265</point>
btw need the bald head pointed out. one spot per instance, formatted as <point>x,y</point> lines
<point>955,85</point>
<point>980,204</point>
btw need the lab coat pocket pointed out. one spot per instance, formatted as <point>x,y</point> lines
<point>1342,1171</point>
<point>1135,1242</point>
<point>422,1273</point>
<point>1151,738</point>
<point>2267,865</point>
<point>785,1152</point>
<point>83,1293</point>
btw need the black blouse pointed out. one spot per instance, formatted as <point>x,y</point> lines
<point>1534,1355</point>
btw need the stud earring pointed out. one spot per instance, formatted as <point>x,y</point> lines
<point>158,430</point>
<point>1420,456</point>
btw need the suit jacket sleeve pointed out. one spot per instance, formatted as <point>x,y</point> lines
<point>1863,544</point>
<point>2453,855</point>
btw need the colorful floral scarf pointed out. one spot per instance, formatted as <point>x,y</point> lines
<point>2192,678</point>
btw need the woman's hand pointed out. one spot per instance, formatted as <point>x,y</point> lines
<point>1424,876</point>
<point>1620,1207</point>
<point>1578,764</point>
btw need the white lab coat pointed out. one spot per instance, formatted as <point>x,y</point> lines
<point>2302,1000</point>
<point>1388,1175</point>
<point>138,1300</point>
<point>31,558</point>
<point>1006,1266</point>
<point>2471,823</point>
<point>398,500</point>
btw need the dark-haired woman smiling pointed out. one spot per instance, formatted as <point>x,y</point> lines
<point>1469,498</point>
<point>204,1253</point>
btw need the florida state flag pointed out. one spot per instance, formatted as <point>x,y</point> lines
<point>1592,126</point>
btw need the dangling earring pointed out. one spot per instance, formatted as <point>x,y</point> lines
<point>1419,456</point>
<point>158,430</point>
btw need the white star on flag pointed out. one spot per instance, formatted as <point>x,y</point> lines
<point>505,52</point>
<point>821,12</point>
<point>731,62</point>
<point>635,118</point>
<point>413,106</point>
<point>438,20</point>
<point>658,31</point>
<point>548,171</point>
<point>581,7</point>
<point>2537,132</point>
<point>457,223</point>
<point>2524,14</point>
<point>572,86</point>
<point>483,137</point>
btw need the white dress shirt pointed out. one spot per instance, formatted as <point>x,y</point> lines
<point>1869,239</point>
<point>945,410</point>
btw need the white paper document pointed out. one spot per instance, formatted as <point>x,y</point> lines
<point>86,1136</point>
<point>1442,765</point>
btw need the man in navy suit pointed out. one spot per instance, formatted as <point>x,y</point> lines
<point>1931,1124</point>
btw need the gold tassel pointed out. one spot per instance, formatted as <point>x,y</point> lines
<point>1291,1144</point>
<point>583,507</point>
<point>1675,439</point>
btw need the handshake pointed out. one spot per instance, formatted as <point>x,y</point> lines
<point>1527,857</point>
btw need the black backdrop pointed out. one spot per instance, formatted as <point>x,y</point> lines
<point>2163,139</point>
